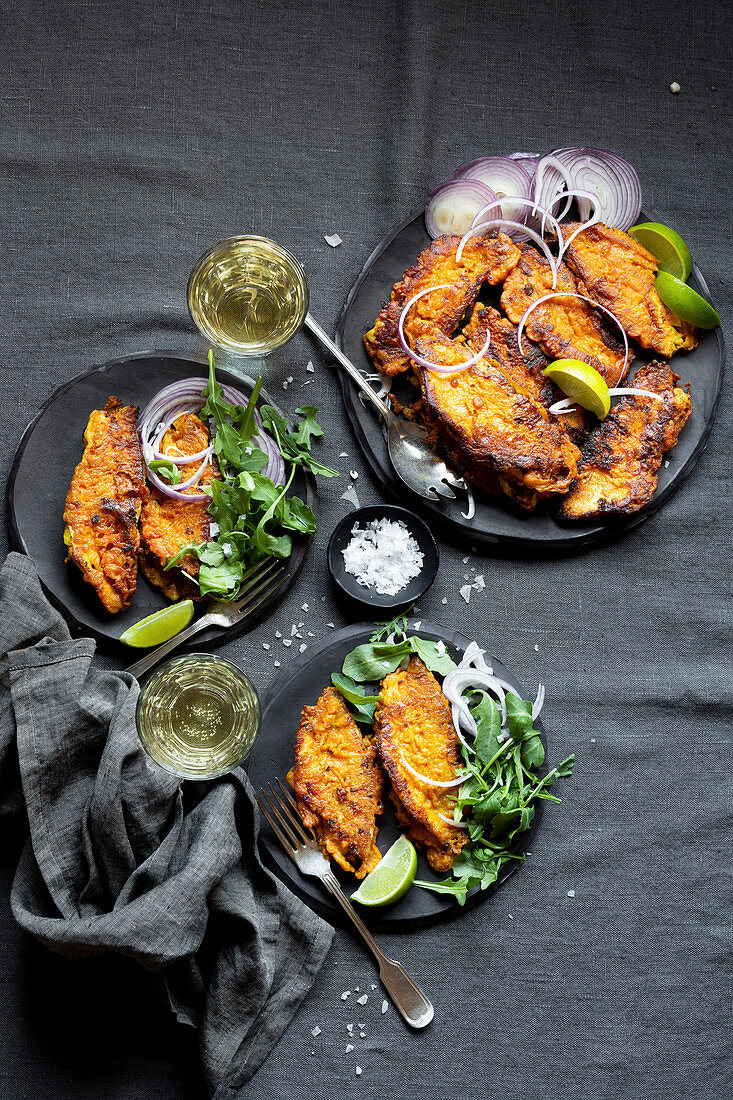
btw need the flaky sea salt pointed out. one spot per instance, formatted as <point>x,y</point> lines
<point>571,893</point>
<point>363,999</point>
<point>333,239</point>
<point>383,555</point>
<point>385,1006</point>
<point>315,1032</point>
<point>465,592</point>
<point>351,497</point>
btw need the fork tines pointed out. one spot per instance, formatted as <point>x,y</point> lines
<point>281,807</point>
<point>257,578</point>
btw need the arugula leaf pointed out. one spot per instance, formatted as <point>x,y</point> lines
<point>357,696</point>
<point>294,446</point>
<point>434,655</point>
<point>518,715</point>
<point>488,723</point>
<point>370,662</point>
<point>457,887</point>
<point>167,469</point>
<point>382,630</point>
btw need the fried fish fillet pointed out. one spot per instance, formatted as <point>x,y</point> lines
<point>413,724</point>
<point>565,328</point>
<point>103,504</point>
<point>497,435</point>
<point>619,274</point>
<point>617,473</point>
<point>338,783</point>
<point>167,525</point>
<point>484,260</point>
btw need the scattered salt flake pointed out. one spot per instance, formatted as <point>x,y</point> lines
<point>265,645</point>
<point>300,625</point>
<point>293,630</point>
<point>465,591</point>
<point>479,583</point>
<point>309,366</point>
<point>571,893</point>
<point>331,626</point>
<point>313,1052</point>
<point>666,463</point>
<point>536,649</point>
<point>333,239</point>
<point>440,648</point>
<point>385,1006</point>
<point>674,87</point>
<point>343,455</point>
<point>311,634</point>
<point>383,555</point>
<point>363,999</point>
<point>287,641</point>
<point>374,985</point>
<point>307,381</point>
<point>315,1032</point>
<point>277,664</point>
<point>357,1071</point>
<point>466,576</point>
<point>344,996</point>
<point>351,497</point>
<point>290,378</point>
<point>356,989</point>
<point>349,1027</point>
<point>304,607</point>
<point>353,474</point>
<point>285,385</point>
<point>278,634</point>
<point>465,560</point>
<point>592,740</point>
<point>349,1048</point>
<point>417,625</point>
<point>362,1035</point>
<point>510,916</point>
<point>302,648</point>
<point>444,600</point>
<point>213,528</point>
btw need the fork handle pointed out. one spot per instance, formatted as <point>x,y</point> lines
<point>382,408</point>
<point>147,662</point>
<point>406,995</point>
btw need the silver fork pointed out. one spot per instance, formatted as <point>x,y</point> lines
<point>281,812</point>
<point>413,458</point>
<point>258,583</point>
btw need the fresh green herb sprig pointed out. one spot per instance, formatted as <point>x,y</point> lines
<point>253,514</point>
<point>497,799</point>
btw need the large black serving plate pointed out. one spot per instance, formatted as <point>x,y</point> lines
<point>301,684</point>
<point>48,453</point>
<point>496,521</point>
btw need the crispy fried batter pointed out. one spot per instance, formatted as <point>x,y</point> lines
<point>565,328</point>
<point>167,525</point>
<point>338,783</point>
<point>103,504</point>
<point>617,473</point>
<point>413,723</point>
<point>484,260</point>
<point>619,274</point>
<point>495,429</point>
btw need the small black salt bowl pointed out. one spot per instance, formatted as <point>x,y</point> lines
<point>369,597</point>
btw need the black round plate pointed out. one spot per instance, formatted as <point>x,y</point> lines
<point>301,684</point>
<point>369,596</point>
<point>496,522</point>
<point>48,453</point>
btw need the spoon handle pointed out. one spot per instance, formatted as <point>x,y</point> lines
<point>348,366</point>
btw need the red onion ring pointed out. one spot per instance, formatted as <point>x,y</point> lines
<point>441,215</point>
<point>526,202</point>
<point>506,177</point>
<point>546,185</point>
<point>182,460</point>
<point>567,405</point>
<point>596,305</point>
<point>439,368</point>
<point>612,179</point>
<point>450,821</point>
<point>434,782</point>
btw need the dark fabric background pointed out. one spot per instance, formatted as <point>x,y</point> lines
<point>134,135</point>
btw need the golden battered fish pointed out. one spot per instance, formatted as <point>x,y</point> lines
<point>565,328</point>
<point>617,472</point>
<point>103,504</point>
<point>413,724</point>
<point>619,274</point>
<point>495,434</point>
<point>167,525</point>
<point>484,260</point>
<point>338,783</point>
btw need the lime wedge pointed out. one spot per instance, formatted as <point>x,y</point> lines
<point>685,302</point>
<point>667,245</point>
<point>391,878</point>
<point>160,626</point>
<point>583,383</point>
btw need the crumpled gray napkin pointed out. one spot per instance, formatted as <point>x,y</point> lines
<point>123,857</point>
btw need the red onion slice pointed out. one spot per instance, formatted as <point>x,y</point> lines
<point>548,180</point>
<point>183,460</point>
<point>525,202</point>
<point>451,206</point>
<point>583,298</point>
<point>439,368</point>
<point>567,405</point>
<point>450,821</point>
<point>434,782</point>
<point>613,180</point>
<point>507,178</point>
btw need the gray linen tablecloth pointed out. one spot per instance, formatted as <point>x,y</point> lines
<point>136,134</point>
<point>124,858</point>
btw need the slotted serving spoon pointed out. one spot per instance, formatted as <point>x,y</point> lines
<point>411,455</point>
